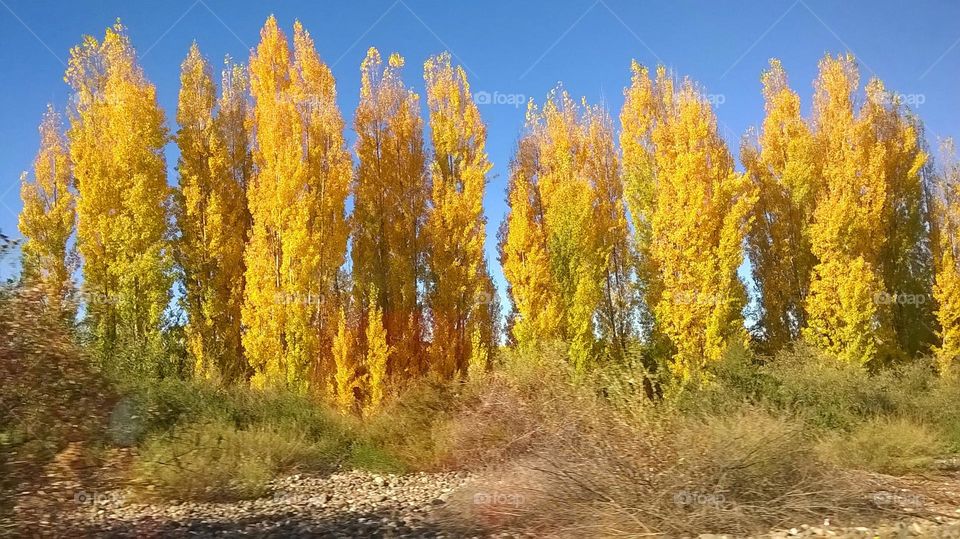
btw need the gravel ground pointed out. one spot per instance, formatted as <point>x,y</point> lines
<point>348,504</point>
<point>362,504</point>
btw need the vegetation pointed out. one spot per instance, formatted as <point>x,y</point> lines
<point>633,388</point>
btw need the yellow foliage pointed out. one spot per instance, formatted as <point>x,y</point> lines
<point>692,211</point>
<point>47,219</point>
<point>377,358</point>
<point>117,135</point>
<point>523,255</point>
<point>345,375</point>
<point>296,199</point>
<point>211,214</point>
<point>455,230</point>
<point>868,228</point>
<point>946,247</point>
<point>783,167</point>
<point>390,193</point>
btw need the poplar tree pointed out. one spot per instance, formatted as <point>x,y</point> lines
<point>345,378</point>
<point>116,136</point>
<point>869,232</point>
<point>378,354</point>
<point>458,295</point>
<point>296,199</point>
<point>905,259</point>
<point>946,248</point>
<point>783,167</point>
<point>211,214</point>
<point>692,209</point>
<point>536,311</point>
<point>47,220</point>
<point>564,249</point>
<point>390,190</point>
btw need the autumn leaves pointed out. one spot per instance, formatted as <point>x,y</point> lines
<point>838,214</point>
<point>621,250</point>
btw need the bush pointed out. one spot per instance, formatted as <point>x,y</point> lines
<point>216,461</point>
<point>241,438</point>
<point>50,395</point>
<point>890,446</point>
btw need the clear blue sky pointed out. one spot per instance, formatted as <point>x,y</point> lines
<point>512,50</point>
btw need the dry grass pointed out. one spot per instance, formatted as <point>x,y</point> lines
<point>218,462</point>
<point>893,446</point>
<point>559,460</point>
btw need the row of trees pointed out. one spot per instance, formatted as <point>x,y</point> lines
<point>851,240</point>
<point>850,235</point>
<point>256,231</point>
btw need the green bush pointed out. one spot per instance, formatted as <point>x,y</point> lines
<point>890,446</point>
<point>216,461</point>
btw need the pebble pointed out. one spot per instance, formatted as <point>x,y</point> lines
<point>345,504</point>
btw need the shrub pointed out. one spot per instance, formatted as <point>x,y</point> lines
<point>217,461</point>
<point>884,445</point>
<point>50,395</point>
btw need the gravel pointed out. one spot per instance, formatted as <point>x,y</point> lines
<point>363,504</point>
<point>347,504</point>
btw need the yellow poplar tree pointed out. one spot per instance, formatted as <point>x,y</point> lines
<point>904,257</point>
<point>296,199</point>
<point>693,211</point>
<point>611,234</point>
<point>211,216</point>
<point>564,248</point>
<point>390,190</point>
<point>782,165</point>
<point>377,357</point>
<point>868,231</point>
<point>536,312</point>
<point>946,249</point>
<point>455,229</point>
<point>48,217</point>
<point>117,136</point>
<point>345,372</point>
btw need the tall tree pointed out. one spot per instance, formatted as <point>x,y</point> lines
<point>616,315</point>
<point>296,199</point>
<point>390,190</point>
<point>536,314</point>
<point>869,228</point>
<point>783,167</point>
<point>117,136</point>
<point>211,215</point>
<point>946,247</point>
<point>48,219</point>
<point>564,249</point>
<point>455,229</point>
<point>693,211</point>
<point>905,259</point>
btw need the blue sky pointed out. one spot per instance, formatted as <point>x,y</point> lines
<point>511,50</point>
